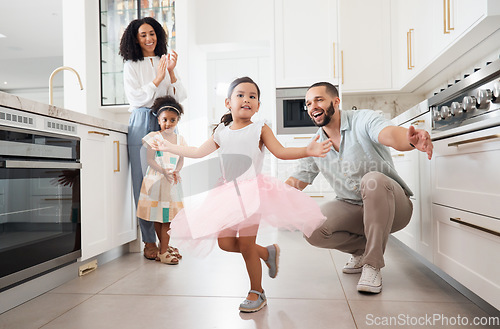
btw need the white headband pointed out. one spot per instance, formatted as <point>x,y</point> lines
<point>166,107</point>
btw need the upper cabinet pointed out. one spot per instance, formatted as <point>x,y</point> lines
<point>429,36</point>
<point>306,42</point>
<point>115,15</point>
<point>365,37</point>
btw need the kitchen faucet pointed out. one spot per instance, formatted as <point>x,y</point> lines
<point>52,77</point>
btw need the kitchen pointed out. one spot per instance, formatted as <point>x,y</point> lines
<point>405,65</point>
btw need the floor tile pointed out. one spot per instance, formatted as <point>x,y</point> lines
<point>404,279</point>
<point>310,292</point>
<point>40,310</point>
<point>119,311</point>
<point>103,276</point>
<point>392,314</point>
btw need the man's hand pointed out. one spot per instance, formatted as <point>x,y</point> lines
<point>421,140</point>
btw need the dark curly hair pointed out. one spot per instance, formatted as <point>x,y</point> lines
<point>166,103</point>
<point>130,48</point>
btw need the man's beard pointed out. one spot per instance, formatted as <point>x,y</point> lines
<point>330,111</point>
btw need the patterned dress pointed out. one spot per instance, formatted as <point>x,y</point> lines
<point>160,200</point>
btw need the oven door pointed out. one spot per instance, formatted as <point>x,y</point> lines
<point>39,204</point>
<point>39,217</point>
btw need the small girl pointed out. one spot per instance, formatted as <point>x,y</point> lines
<point>161,196</point>
<point>234,210</point>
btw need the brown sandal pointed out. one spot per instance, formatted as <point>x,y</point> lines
<point>150,252</point>
<point>168,258</point>
<point>174,251</point>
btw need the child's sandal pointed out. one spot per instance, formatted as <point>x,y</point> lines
<point>168,258</point>
<point>174,251</point>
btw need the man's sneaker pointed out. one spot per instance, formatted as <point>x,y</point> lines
<point>371,280</point>
<point>353,265</point>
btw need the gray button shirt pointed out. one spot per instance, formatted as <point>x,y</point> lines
<point>359,153</point>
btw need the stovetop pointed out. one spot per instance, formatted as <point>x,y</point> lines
<point>469,104</point>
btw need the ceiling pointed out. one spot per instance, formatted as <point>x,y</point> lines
<point>33,46</point>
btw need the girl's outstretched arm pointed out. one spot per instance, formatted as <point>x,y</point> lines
<point>186,151</point>
<point>290,153</point>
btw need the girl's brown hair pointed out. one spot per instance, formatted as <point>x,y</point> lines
<point>228,117</point>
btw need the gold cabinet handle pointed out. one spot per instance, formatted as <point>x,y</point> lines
<point>334,71</point>
<point>409,50</point>
<point>450,28</point>
<point>117,156</point>
<point>317,196</point>
<point>444,18</point>
<point>473,140</point>
<point>301,137</point>
<point>447,17</point>
<point>417,122</point>
<point>398,155</point>
<point>487,230</point>
<point>342,64</point>
<point>98,133</point>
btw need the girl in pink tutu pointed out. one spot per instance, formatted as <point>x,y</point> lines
<point>245,199</point>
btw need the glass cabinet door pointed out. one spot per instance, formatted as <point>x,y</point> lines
<point>115,15</point>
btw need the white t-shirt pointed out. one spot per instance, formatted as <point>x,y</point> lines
<point>244,143</point>
<point>139,87</point>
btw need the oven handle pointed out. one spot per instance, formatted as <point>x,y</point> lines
<point>39,164</point>
<point>473,140</point>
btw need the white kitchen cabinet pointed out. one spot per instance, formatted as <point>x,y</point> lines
<point>320,190</point>
<point>414,168</point>
<point>121,203</point>
<point>365,39</point>
<point>421,48</point>
<point>107,218</point>
<point>410,38</point>
<point>467,254</point>
<point>306,42</point>
<point>451,19</point>
<point>466,218</point>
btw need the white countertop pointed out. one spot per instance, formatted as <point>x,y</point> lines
<point>23,104</point>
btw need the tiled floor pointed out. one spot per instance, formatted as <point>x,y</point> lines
<point>310,292</point>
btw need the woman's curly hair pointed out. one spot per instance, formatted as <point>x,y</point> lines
<point>130,48</point>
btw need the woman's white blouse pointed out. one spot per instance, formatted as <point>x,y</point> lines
<point>139,87</point>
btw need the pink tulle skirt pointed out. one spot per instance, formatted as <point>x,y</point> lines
<point>238,209</point>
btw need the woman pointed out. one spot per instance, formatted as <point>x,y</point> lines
<point>144,49</point>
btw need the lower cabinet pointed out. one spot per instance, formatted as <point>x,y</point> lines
<point>108,219</point>
<point>320,190</point>
<point>468,253</point>
<point>465,213</point>
<point>414,168</point>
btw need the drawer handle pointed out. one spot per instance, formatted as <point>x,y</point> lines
<point>417,122</point>
<point>302,138</point>
<point>117,156</point>
<point>460,221</point>
<point>398,155</point>
<point>98,133</point>
<point>317,196</point>
<point>473,140</point>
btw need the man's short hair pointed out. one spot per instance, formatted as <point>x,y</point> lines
<point>330,89</point>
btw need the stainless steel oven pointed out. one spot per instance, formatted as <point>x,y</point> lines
<point>466,137</point>
<point>291,115</point>
<point>39,203</point>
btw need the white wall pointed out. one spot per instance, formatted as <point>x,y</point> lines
<point>81,51</point>
<point>224,39</point>
<point>233,21</point>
